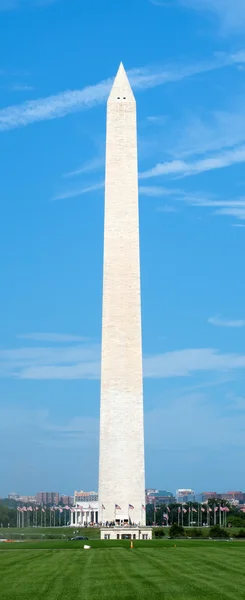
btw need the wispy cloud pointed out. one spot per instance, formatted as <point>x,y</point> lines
<point>217,130</point>
<point>82,361</point>
<point>230,12</point>
<point>64,103</point>
<point>51,337</point>
<point>15,4</point>
<point>238,213</point>
<point>219,322</point>
<point>234,208</point>
<point>91,165</point>
<point>73,193</point>
<point>166,208</point>
<point>21,87</point>
<point>183,168</point>
<point>156,191</point>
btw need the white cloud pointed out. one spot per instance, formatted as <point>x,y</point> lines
<point>51,337</point>
<point>83,362</point>
<point>182,363</point>
<point>21,87</point>
<point>230,12</point>
<point>238,213</point>
<point>15,4</point>
<point>234,208</point>
<point>73,193</point>
<point>216,131</point>
<point>167,209</point>
<point>67,102</point>
<point>91,165</point>
<point>156,191</point>
<point>218,322</point>
<point>185,169</point>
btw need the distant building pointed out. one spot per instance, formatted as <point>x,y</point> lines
<point>85,496</point>
<point>158,497</point>
<point>27,499</point>
<point>47,498</point>
<point>13,496</point>
<point>66,500</point>
<point>234,497</point>
<point>185,495</point>
<point>205,496</point>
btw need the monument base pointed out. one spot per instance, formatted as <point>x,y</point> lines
<point>126,533</point>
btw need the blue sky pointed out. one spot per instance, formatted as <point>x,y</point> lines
<point>186,61</point>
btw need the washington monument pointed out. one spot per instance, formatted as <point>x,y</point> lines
<point>121,464</point>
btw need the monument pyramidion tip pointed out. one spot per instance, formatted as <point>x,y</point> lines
<point>121,90</point>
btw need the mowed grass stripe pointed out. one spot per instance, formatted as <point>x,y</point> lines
<point>121,574</point>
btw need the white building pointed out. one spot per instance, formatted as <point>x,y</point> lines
<point>185,495</point>
<point>84,514</point>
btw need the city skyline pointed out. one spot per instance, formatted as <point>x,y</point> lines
<point>187,68</point>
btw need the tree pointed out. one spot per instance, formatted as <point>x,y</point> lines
<point>7,516</point>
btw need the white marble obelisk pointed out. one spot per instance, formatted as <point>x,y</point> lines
<point>121,464</point>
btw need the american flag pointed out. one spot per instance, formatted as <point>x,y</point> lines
<point>209,509</point>
<point>117,507</point>
<point>131,507</point>
<point>216,508</point>
<point>43,510</point>
<point>203,509</point>
<point>168,509</point>
<point>194,510</point>
<point>179,509</point>
<point>67,507</point>
<point>165,516</point>
<point>61,510</point>
<point>184,510</point>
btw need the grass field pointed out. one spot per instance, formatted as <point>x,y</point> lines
<point>111,571</point>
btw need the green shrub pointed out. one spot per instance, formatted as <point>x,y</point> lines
<point>217,532</point>
<point>240,534</point>
<point>195,533</point>
<point>159,532</point>
<point>176,531</point>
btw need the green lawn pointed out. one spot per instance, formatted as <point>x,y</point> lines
<point>154,570</point>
